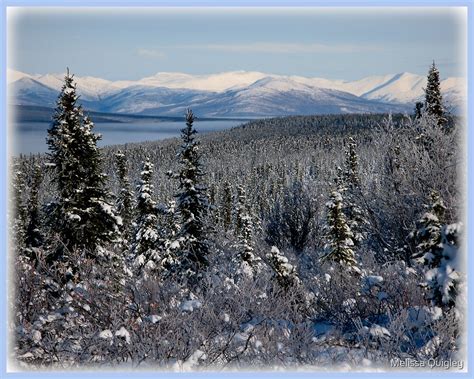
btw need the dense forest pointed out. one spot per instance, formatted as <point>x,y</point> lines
<point>300,241</point>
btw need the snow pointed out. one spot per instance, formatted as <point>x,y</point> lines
<point>13,75</point>
<point>37,336</point>
<point>190,305</point>
<point>400,88</point>
<point>241,337</point>
<point>322,328</point>
<point>123,333</point>
<point>105,334</point>
<point>349,303</point>
<point>373,280</point>
<point>193,360</point>
<point>213,82</point>
<point>109,210</point>
<point>379,331</point>
<point>174,245</point>
<point>418,317</point>
<point>27,355</point>
<point>140,260</point>
<point>155,318</point>
<point>74,217</point>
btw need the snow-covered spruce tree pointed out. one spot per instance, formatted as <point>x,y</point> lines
<point>284,272</point>
<point>34,237</point>
<point>340,180</point>
<point>339,246</point>
<point>247,260</point>
<point>436,250</point>
<point>354,214</point>
<point>442,281</point>
<point>427,237</point>
<point>124,203</point>
<point>145,250</point>
<point>82,215</point>
<point>170,241</point>
<point>352,164</point>
<point>192,204</point>
<point>433,99</point>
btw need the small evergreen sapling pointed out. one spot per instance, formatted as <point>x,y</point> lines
<point>247,260</point>
<point>428,235</point>
<point>437,250</point>
<point>442,281</point>
<point>284,272</point>
<point>340,246</point>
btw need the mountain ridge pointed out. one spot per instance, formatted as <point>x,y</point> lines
<point>256,92</point>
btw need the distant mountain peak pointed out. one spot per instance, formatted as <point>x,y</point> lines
<point>256,93</point>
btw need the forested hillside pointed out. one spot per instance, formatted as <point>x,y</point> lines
<point>294,241</point>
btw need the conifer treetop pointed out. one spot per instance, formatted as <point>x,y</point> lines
<point>433,98</point>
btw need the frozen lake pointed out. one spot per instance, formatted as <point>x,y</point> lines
<point>30,137</point>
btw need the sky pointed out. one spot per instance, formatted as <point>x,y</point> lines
<point>333,43</point>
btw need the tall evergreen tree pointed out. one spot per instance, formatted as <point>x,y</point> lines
<point>82,215</point>
<point>192,202</point>
<point>352,164</point>
<point>433,99</point>
<point>145,250</point>
<point>351,191</point>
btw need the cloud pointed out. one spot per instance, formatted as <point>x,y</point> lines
<point>285,48</point>
<point>151,53</point>
<point>263,47</point>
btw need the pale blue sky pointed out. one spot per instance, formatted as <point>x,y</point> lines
<point>333,43</point>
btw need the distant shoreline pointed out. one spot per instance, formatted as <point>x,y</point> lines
<point>32,113</point>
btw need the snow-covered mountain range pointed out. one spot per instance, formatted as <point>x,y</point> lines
<point>235,94</point>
